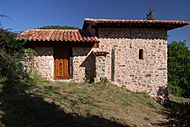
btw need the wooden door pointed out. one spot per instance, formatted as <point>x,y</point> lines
<point>61,63</point>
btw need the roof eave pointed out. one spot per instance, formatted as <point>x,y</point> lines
<point>106,23</point>
<point>123,25</point>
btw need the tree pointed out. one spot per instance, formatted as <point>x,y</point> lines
<point>179,68</point>
<point>11,54</point>
<point>58,27</point>
<point>149,15</point>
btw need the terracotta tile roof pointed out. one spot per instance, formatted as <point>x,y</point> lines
<point>57,35</point>
<point>167,24</point>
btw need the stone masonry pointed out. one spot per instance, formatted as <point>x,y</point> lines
<point>100,66</point>
<point>140,75</point>
<point>83,64</point>
<point>44,62</point>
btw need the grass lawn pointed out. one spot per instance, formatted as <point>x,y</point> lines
<point>56,104</point>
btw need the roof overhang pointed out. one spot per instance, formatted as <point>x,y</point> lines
<point>114,23</point>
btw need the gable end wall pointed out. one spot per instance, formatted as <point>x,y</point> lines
<point>140,75</point>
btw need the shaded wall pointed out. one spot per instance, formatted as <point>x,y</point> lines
<point>83,64</point>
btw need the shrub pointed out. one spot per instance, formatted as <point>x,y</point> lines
<point>11,54</point>
<point>179,68</point>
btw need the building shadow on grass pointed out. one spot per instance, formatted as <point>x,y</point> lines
<point>178,115</point>
<point>20,109</point>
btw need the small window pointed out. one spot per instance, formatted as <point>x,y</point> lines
<point>140,53</point>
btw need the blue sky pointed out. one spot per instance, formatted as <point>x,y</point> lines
<point>26,14</point>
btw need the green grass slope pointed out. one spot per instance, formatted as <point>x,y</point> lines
<point>57,104</point>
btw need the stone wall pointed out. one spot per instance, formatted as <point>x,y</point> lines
<point>140,75</point>
<point>43,63</point>
<point>100,62</point>
<point>83,64</point>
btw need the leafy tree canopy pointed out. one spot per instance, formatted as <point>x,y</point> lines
<point>58,27</point>
<point>11,52</point>
<point>179,68</point>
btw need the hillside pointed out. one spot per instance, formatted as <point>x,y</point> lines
<point>77,105</point>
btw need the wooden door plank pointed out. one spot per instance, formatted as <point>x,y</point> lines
<point>61,63</point>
